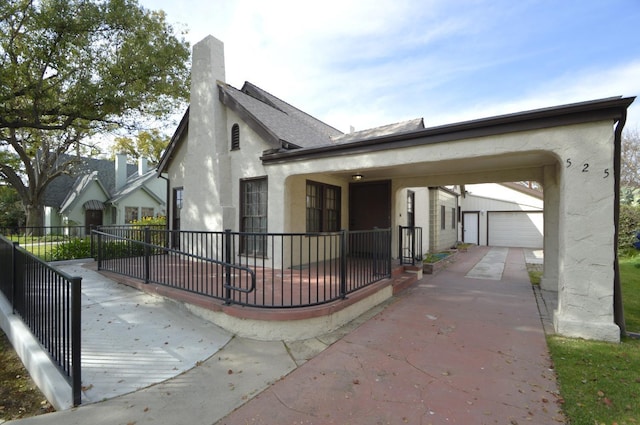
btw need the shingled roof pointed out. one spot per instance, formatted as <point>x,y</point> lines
<point>276,121</point>
<point>282,125</point>
<point>58,190</point>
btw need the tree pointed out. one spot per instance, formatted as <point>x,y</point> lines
<point>630,159</point>
<point>11,211</point>
<point>148,144</point>
<point>71,69</point>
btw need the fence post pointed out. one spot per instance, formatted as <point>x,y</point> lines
<point>91,246</point>
<point>227,266</point>
<point>413,245</point>
<point>100,251</point>
<point>14,276</point>
<point>400,250</point>
<point>147,255</point>
<point>343,263</point>
<point>76,352</point>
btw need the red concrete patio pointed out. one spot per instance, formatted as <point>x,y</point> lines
<point>449,350</point>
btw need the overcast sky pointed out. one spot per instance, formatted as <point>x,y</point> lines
<point>365,63</point>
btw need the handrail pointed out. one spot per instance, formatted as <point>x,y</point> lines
<point>252,269</point>
<point>177,252</point>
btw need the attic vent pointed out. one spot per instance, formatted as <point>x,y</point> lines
<point>235,137</point>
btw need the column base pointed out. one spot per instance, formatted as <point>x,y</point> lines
<point>601,331</point>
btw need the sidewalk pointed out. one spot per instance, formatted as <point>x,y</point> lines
<point>450,349</point>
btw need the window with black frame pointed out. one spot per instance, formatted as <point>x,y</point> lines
<point>323,203</point>
<point>253,218</point>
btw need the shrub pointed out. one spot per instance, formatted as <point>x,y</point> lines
<point>629,226</point>
<point>72,250</point>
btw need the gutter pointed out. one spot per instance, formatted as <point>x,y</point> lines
<point>618,308</point>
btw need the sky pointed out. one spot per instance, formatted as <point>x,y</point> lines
<point>362,63</point>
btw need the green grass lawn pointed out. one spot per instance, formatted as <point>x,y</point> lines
<point>599,381</point>
<point>630,280</point>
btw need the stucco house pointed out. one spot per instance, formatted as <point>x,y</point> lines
<point>101,192</point>
<point>502,214</point>
<point>245,160</point>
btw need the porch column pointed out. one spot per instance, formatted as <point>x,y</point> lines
<point>586,237</point>
<point>549,280</point>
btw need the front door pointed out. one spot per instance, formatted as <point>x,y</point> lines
<point>470,224</point>
<point>369,208</point>
<point>370,205</point>
<point>92,218</point>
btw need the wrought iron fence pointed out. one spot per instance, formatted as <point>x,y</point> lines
<point>410,245</point>
<point>50,243</point>
<point>289,269</point>
<point>48,302</point>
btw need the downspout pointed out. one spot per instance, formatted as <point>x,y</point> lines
<point>618,309</point>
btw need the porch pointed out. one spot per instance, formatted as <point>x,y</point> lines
<point>316,282</point>
<point>250,269</point>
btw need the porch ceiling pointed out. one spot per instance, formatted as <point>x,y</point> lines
<point>509,167</point>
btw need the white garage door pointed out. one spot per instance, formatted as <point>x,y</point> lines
<point>523,229</point>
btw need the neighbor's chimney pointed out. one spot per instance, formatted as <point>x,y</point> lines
<point>121,170</point>
<point>143,166</point>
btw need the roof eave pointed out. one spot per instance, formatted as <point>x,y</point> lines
<point>175,141</point>
<point>590,111</point>
<point>252,121</point>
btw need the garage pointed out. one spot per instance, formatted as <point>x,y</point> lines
<point>524,229</point>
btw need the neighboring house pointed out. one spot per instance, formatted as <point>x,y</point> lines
<point>104,192</point>
<point>502,214</point>
<point>245,160</point>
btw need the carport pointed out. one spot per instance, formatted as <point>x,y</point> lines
<point>572,150</point>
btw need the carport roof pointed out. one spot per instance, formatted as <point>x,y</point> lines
<point>613,108</point>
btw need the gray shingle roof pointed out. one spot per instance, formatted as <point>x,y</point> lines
<point>275,120</point>
<point>59,188</point>
<point>385,130</point>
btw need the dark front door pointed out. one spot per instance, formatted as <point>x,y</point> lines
<point>92,218</point>
<point>369,208</point>
<point>370,205</point>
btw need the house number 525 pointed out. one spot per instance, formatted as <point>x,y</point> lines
<point>585,168</point>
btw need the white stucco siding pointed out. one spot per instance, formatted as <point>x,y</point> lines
<point>586,234</point>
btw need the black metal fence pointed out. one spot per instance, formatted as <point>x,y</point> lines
<point>410,245</point>
<point>48,302</point>
<point>273,270</point>
<point>50,243</point>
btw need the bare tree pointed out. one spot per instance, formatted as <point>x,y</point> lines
<point>630,159</point>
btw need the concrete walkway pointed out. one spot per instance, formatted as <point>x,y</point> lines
<point>450,349</point>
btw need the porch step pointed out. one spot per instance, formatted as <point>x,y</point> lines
<point>405,276</point>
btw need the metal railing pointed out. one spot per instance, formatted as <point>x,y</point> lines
<point>48,302</point>
<point>410,245</point>
<point>272,270</point>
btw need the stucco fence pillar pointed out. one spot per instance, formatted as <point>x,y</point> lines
<point>549,280</point>
<point>586,237</point>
